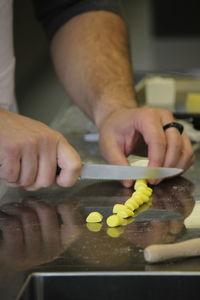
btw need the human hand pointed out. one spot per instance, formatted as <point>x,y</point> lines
<point>127,131</point>
<point>30,152</point>
<point>35,232</point>
<point>176,201</point>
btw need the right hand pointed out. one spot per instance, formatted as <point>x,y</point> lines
<point>35,232</point>
<point>30,152</point>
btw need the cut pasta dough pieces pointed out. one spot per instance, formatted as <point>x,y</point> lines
<point>94,217</point>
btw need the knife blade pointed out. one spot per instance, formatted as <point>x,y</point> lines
<point>116,172</point>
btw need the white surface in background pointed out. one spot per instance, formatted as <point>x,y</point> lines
<point>193,221</point>
<point>7,60</point>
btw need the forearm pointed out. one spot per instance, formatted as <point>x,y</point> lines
<point>91,57</point>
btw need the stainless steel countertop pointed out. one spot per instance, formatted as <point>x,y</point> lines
<point>50,234</point>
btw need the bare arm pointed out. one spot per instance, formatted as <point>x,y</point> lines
<point>91,56</point>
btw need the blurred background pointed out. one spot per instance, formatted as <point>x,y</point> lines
<point>164,35</point>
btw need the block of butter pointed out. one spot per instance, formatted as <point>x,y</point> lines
<point>160,91</point>
<point>193,103</point>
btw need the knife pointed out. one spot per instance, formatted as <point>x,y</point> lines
<point>116,172</point>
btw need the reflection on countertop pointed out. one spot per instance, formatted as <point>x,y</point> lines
<point>36,232</point>
<point>45,231</point>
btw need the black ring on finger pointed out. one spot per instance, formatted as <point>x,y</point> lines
<point>176,125</point>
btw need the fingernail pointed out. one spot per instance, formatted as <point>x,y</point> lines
<point>127,183</point>
<point>154,182</point>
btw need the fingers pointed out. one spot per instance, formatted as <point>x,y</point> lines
<point>29,223</point>
<point>187,154</point>
<point>179,152</point>
<point>121,133</point>
<point>165,148</point>
<point>173,148</point>
<point>154,136</point>
<point>48,221</point>
<point>29,165</point>
<point>52,154</point>
<point>114,154</point>
<point>43,166</point>
<point>13,237</point>
<point>30,233</point>
<point>33,164</point>
<point>178,149</point>
<point>9,162</point>
<point>173,138</point>
<point>30,152</point>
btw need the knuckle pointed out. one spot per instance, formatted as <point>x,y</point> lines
<point>26,182</point>
<point>11,223</point>
<point>27,213</point>
<point>57,134</point>
<point>161,143</point>
<point>168,113</point>
<point>47,183</point>
<point>43,208</point>
<point>12,150</point>
<point>151,112</point>
<point>28,177</point>
<point>44,183</point>
<point>46,139</point>
<point>10,174</point>
<point>30,144</point>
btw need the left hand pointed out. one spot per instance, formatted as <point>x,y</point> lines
<point>125,131</point>
<point>35,232</point>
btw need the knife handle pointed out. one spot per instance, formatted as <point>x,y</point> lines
<point>158,253</point>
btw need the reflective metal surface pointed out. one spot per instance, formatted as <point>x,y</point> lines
<point>45,232</point>
<point>121,285</point>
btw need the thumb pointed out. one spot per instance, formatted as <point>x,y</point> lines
<point>113,152</point>
<point>69,162</point>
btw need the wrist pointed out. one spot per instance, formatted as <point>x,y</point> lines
<point>106,107</point>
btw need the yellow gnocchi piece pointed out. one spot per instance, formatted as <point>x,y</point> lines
<point>144,197</point>
<point>140,197</point>
<point>137,198</point>
<point>115,232</point>
<point>140,182</point>
<point>94,217</point>
<point>94,227</point>
<point>131,204</point>
<point>114,221</point>
<point>145,190</point>
<point>149,189</point>
<point>122,211</point>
